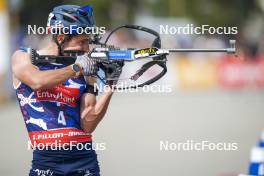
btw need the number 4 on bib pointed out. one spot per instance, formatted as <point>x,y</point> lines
<point>61,118</point>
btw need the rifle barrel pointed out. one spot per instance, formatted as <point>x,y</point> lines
<point>198,50</point>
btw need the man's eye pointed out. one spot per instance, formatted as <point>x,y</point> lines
<point>85,41</point>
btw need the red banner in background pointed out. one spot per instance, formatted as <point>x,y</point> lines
<point>236,73</point>
<point>196,74</point>
<point>227,72</point>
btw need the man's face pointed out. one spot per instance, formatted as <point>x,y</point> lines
<point>78,43</point>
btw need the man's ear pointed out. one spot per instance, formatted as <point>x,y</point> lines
<point>60,37</point>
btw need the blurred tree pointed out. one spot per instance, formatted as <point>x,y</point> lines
<point>36,12</point>
<point>212,12</point>
<point>219,12</point>
<point>115,12</point>
<point>111,13</point>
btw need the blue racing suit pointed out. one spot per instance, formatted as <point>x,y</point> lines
<point>52,119</point>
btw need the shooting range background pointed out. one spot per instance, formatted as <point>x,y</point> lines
<point>214,98</point>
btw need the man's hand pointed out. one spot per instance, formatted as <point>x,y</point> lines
<point>113,73</point>
<point>88,66</point>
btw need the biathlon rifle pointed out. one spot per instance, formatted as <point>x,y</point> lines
<point>109,57</point>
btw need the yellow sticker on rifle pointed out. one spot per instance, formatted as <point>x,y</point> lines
<point>149,51</point>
